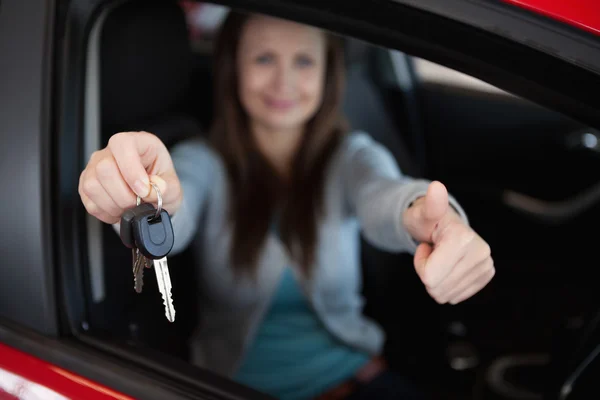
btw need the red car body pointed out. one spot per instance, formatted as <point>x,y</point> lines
<point>24,377</point>
<point>583,14</point>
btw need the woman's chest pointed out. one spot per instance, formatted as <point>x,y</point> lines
<point>335,270</point>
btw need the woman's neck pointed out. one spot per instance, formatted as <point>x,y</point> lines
<point>279,147</point>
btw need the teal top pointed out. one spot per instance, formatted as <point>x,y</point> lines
<point>293,356</point>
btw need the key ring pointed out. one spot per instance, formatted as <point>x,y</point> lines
<point>160,200</point>
<point>138,200</point>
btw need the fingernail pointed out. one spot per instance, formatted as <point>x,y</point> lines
<point>141,188</point>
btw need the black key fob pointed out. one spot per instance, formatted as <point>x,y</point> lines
<point>126,229</point>
<point>153,235</point>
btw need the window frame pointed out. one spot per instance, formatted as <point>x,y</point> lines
<point>29,297</point>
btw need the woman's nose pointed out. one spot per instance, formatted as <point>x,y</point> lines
<point>284,78</point>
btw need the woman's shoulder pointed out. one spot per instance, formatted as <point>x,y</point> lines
<point>196,146</point>
<point>355,141</point>
<point>194,149</point>
<point>360,150</point>
<point>196,155</point>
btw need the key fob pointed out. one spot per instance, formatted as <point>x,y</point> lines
<point>153,236</point>
<point>126,227</point>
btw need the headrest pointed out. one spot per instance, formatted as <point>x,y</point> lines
<point>356,51</point>
<point>145,62</point>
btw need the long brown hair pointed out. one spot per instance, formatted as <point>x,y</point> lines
<point>258,195</point>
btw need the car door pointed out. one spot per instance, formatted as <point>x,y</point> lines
<point>44,303</point>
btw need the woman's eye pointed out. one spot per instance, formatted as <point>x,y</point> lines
<point>264,59</point>
<point>304,61</point>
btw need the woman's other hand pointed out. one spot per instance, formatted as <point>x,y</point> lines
<point>452,260</point>
<point>116,174</point>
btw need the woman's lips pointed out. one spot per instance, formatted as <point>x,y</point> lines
<point>281,105</point>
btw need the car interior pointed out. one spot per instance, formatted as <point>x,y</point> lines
<point>526,176</point>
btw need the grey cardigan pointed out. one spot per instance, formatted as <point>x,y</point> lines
<point>364,190</point>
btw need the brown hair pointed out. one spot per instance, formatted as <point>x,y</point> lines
<point>257,192</point>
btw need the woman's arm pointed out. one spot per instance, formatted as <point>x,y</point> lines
<point>378,193</point>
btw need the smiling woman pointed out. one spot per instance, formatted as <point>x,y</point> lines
<point>274,77</point>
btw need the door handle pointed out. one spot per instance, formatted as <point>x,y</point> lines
<point>555,212</point>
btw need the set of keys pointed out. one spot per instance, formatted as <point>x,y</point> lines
<point>149,234</point>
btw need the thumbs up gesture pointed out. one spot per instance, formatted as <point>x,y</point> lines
<point>452,260</point>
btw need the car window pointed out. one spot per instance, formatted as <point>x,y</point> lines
<point>526,175</point>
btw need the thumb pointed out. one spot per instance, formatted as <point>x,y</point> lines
<point>169,188</point>
<point>436,202</point>
<point>162,187</point>
<point>422,218</point>
<point>422,253</point>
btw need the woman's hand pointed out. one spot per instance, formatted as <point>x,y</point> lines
<point>116,174</point>
<point>452,260</point>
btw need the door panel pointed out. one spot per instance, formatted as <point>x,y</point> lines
<point>488,146</point>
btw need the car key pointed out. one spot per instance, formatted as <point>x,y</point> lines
<point>126,233</point>
<point>153,237</point>
<point>126,228</point>
<point>138,270</point>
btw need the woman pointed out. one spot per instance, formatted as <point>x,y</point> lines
<point>274,205</point>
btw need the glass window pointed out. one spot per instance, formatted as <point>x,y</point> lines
<point>525,175</point>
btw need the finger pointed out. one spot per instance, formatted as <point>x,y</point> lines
<point>133,154</point>
<point>95,211</point>
<point>445,255</point>
<point>475,257</point>
<point>420,259</point>
<point>476,287</point>
<point>162,187</point>
<point>114,184</point>
<point>471,277</point>
<point>94,191</point>
<point>81,179</point>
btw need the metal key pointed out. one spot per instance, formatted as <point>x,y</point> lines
<point>153,237</point>
<point>138,270</point>
<point>164,286</point>
<point>138,261</point>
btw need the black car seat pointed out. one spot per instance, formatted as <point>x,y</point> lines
<point>366,106</point>
<point>145,73</point>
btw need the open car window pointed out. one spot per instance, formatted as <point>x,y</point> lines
<point>526,175</point>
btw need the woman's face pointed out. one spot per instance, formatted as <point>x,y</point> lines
<point>281,68</point>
